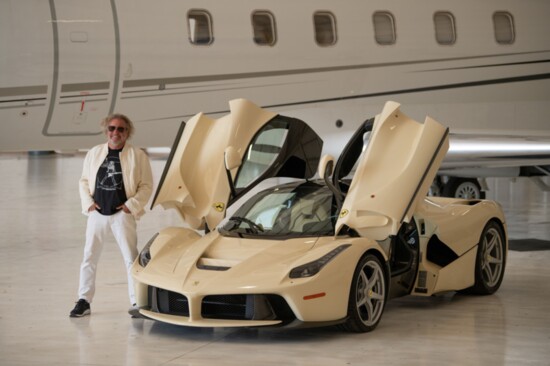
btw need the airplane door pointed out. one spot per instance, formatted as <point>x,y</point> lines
<point>85,79</point>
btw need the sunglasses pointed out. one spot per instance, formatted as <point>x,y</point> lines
<point>119,129</point>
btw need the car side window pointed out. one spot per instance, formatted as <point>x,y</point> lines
<point>262,152</point>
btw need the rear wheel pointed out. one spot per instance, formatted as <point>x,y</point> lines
<point>490,260</point>
<point>367,297</point>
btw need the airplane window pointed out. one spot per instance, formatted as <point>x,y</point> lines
<point>445,32</point>
<point>325,28</point>
<point>263,24</point>
<point>504,27</point>
<point>199,24</point>
<point>384,28</point>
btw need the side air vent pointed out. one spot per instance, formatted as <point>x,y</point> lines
<point>212,264</point>
<point>439,253</point>
<point>211,268</point>
<point>167,302</point>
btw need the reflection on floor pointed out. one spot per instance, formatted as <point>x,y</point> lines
<point>41,238</point>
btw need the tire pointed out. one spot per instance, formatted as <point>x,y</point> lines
<point>467,188</point>
<point>435,189</point>
<point>368,295</point>
<point>490,261</point>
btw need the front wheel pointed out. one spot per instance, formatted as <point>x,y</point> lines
<point>490,260</point>
<point>368,295</point>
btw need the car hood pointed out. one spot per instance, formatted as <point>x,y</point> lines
<point>393,174</point>
<point>199,182</point>
<point>215,260</point>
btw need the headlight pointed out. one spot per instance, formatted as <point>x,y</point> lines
<point>312,268</point>
<point>145,255</point>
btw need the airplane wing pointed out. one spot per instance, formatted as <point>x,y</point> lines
<point>472,155</point>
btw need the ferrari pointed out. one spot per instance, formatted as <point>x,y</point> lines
<point>329,242</point>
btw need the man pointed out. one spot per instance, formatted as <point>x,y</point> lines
<point>115,186</point>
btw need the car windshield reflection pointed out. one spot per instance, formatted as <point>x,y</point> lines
<point>292,210</point>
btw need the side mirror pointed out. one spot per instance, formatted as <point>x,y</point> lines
<point>232,158</point>
<point>326,166</point>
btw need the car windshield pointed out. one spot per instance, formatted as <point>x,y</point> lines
<point>308,209</point>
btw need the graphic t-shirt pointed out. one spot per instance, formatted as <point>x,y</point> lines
<point>109,187</point>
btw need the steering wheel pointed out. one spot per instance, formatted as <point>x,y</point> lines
<point>251,223</point>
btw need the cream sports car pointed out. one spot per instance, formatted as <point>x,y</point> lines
<point>322,251</point>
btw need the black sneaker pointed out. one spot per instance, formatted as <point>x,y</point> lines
<point>134,311</point>
<point>81,308</point>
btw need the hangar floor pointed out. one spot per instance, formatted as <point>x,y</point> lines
<point>41,241</point>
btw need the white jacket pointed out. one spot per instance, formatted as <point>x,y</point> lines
<point>136,175</point>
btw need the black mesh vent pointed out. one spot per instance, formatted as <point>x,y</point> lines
<point>247,307</point>
<point>168,302</point>
<point>224,307</point>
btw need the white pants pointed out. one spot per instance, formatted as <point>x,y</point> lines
<point>123,227</point>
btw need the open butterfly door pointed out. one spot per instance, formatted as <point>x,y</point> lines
<point>394,173</point>
<point>216,161</point>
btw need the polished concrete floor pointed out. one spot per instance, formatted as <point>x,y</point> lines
<point>41,241</point>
